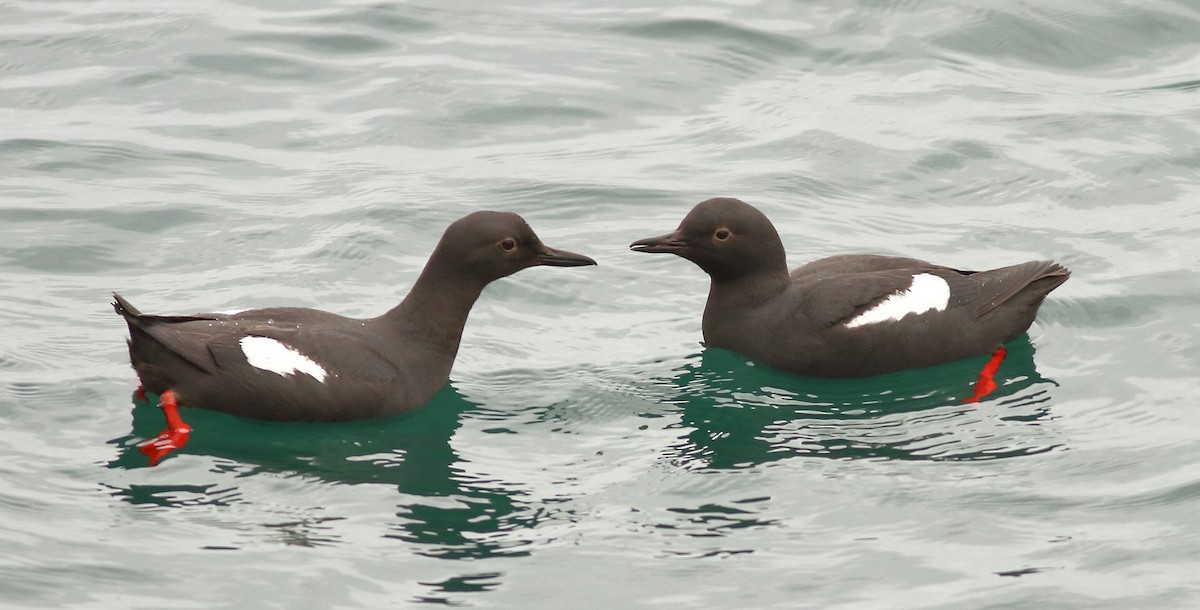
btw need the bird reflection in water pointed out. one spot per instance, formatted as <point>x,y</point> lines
<point>735,413</point>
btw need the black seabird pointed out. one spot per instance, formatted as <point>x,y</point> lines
<point>850,315</point>
<point>299,364</point>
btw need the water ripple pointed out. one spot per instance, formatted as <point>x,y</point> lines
<point>744,39</point>
<point>247,153</point>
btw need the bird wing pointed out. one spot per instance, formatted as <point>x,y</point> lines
<point>826,301</point>
<point>354,355</point>
<point>210,341</point>
<point>862,263</point>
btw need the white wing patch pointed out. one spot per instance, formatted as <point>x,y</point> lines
<point>271,355</point>
<point>926,292</point>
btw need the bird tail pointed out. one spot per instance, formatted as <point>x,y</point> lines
<point>1033,281</point>
<point>125,308</point>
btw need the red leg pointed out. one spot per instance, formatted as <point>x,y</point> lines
<point>987,383</point>
<point>140,393</point>
<point>174,437</point>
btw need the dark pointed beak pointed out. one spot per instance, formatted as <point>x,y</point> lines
<point>561,258</point>
<point>671,242</point>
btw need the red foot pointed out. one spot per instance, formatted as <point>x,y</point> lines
<point>174,437</point>
<point>987,383</point>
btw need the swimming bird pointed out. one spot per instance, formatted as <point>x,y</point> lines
<point>852,315</point>
<point>300,364</point>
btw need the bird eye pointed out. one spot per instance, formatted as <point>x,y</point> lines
<point>508,244</point>
<point>721,234</point>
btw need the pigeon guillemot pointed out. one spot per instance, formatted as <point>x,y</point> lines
<point>299,364</point>
<point>850,315</point>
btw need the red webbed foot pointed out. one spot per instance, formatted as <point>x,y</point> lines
<point>174,437</point>
<point>987,382</point>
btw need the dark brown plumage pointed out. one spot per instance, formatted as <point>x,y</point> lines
<point>851,315</point>
<point>289,363</point>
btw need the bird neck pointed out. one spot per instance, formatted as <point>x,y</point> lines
<point>436,308</point>
<point>731,315</point>
<point>749,290</point>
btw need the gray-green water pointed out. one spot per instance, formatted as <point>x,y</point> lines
<point>589,453</point>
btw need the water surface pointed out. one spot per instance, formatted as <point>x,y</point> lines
<point>589,451</point>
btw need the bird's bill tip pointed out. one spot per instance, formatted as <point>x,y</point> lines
<point>552,257</point>
<point>663,243</point>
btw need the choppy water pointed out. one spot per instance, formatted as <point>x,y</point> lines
<point>589,452</point>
